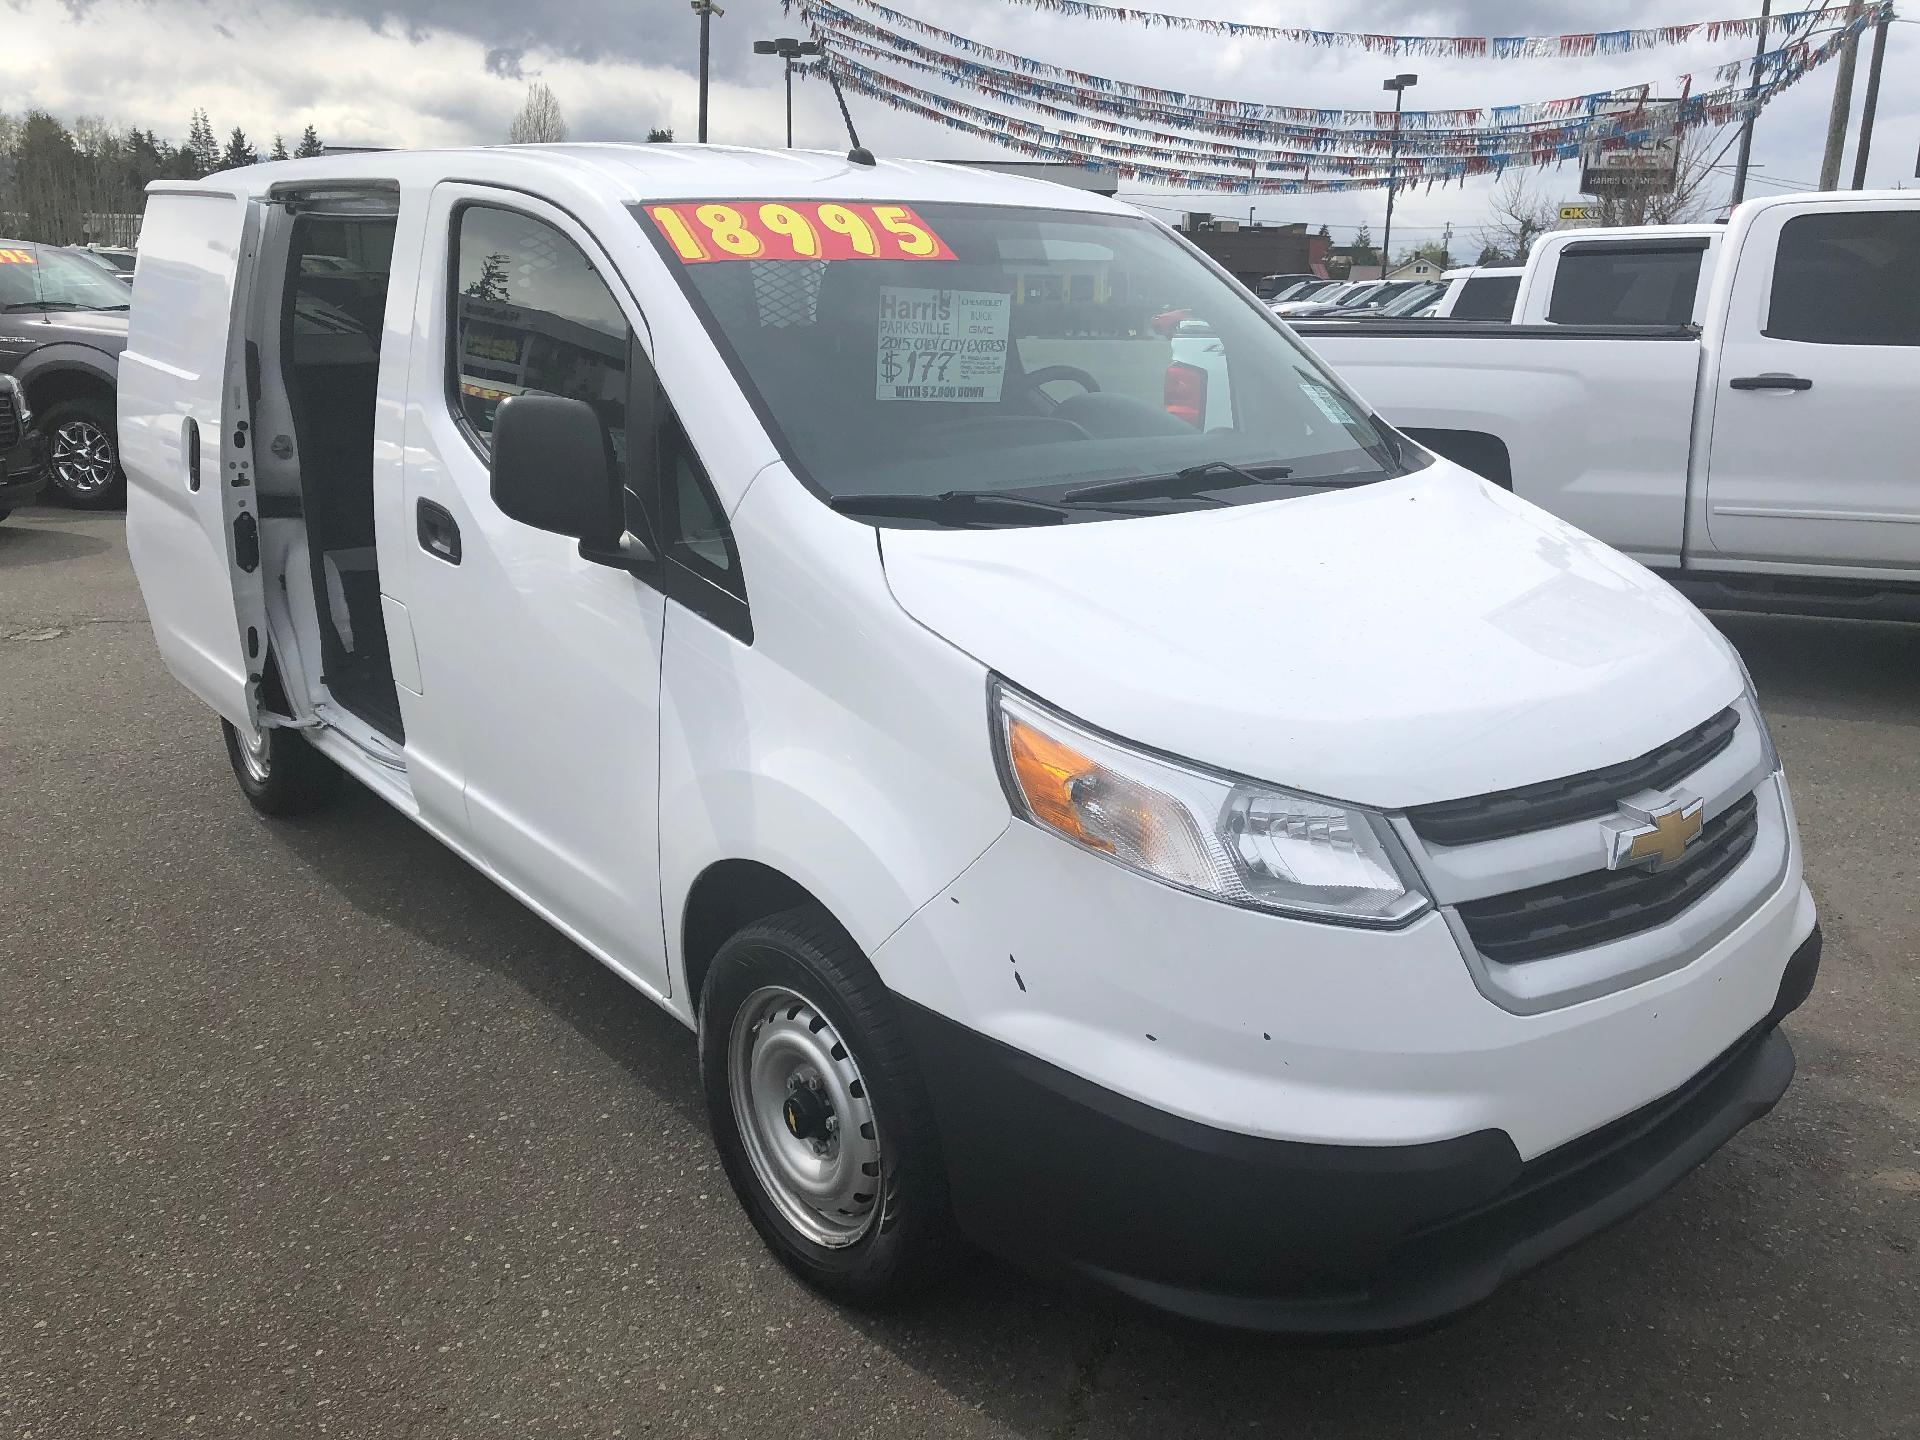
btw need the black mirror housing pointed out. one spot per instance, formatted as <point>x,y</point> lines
<point>553,468</point>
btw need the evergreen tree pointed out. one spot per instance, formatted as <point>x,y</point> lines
<point>279,151</point>
<point>309,145</point>
<point>201,146</point>
<point>660,135</point>
<point>1362,248</point>
<point>492,284</point>
<point>238,151</point>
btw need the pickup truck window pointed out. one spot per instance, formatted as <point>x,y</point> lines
<point>1846,278</point>
<point>1624,282</point>
<point>531,314</point>
<point>1487,297</point>
<point>49,279</point>
<point>1011,349</point>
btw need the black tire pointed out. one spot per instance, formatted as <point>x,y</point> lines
<point>4,514</point>
<point>286,777</point>
<point>83,442</point>
<point>910,1241</point>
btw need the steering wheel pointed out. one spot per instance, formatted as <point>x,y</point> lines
<point>1046,374</point>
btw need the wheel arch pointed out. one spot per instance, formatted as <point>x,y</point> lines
<point>725,898</point>
<point>61,373</point>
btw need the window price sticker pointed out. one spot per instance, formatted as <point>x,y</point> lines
<point>941,345</point>
<point>795,230</point>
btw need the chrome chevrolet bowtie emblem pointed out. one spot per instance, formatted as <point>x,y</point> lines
<point>1653,829</point>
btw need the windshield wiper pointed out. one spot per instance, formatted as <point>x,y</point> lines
<point>980,507</point>
<point>28,305</point>
<point>1194,480</point>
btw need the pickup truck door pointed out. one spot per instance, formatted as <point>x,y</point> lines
<point>1812,456</point>
<point>185,440</point>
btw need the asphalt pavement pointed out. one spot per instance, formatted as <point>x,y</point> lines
<point>305,1128</point>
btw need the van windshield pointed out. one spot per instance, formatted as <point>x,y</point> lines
<point>917,351</point>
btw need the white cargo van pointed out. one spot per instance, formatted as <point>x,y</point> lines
<point>1237,857</point>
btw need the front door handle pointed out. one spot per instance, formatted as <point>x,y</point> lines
<point>439,536</point>
<point>1773,380</point>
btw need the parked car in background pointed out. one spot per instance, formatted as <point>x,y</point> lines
<point>1727,404</point>
<point>1479,292</point>
<point>115,261</point>
<point>1302,290</point>
<point>1398,299</point>
<point>1272,287</point>
<point>63,324</point>
<point>1334,296</point>
<point>23,452</point>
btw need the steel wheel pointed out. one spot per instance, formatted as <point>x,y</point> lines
<point>83,461</point>
<point>255,756</point>
<point>804,1118</point>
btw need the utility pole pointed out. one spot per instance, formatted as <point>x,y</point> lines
<point>1746,126</point>
<point>1399,84</point>
<point>1870,104</point>
<point>1841,112</point>
<point>706,10</point>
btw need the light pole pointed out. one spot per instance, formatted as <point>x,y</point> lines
<point>1399,84</point>
<point>706,10</point>
<point>788,49</point>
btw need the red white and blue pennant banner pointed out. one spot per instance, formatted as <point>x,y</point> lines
<point>1150,156</point>
<point>1474,47</point>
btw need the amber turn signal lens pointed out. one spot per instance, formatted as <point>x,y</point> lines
<point>1046,770</point>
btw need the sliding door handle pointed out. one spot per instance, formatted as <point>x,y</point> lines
<point>1773,380</point>
<point>438,534</point>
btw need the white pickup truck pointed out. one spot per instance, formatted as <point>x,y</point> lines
<point>1743,434</point>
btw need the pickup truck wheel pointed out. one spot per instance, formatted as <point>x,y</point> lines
<point>83,454</point>
<point>279,772</point>
<point>819,1114</point>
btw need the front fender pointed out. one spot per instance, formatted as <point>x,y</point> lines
<point>847,747</point>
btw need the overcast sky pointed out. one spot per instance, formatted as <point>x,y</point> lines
<point>452,72</point>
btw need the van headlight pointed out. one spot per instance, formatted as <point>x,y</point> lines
<point>1218,835</point>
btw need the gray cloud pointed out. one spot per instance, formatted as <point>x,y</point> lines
<point>504,60</point>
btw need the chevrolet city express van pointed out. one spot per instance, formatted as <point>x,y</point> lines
<point>1204,842</point>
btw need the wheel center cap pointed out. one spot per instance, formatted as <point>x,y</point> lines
<point>805,1114</point>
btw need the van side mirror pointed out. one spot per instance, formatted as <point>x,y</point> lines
<point>553,468</point>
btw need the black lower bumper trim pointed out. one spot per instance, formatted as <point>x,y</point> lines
<point>1276,1235</point>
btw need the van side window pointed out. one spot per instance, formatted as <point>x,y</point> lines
<point>696,527</point>
<point>1847,279</point>
<point>530,313</point>
<point>1626,282</point>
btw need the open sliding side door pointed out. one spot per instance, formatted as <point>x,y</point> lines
<point>186,439</point>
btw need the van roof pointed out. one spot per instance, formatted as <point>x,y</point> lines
<point>642,172</point>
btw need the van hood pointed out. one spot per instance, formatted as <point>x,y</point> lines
<point>1419,639</point>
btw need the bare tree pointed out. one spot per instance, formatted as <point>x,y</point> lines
<point>539,121</point>
<point>1521,215</point>
<point>1689,197</point>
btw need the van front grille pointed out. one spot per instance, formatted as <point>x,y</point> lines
<point>1579,797</point>
<point>1603,905</point>
<point>9,421</point>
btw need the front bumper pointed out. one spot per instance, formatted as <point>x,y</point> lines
<point>1281,1235</point>
<point>23,470</point>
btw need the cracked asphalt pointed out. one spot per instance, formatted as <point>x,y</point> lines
<point>307,1129</point>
